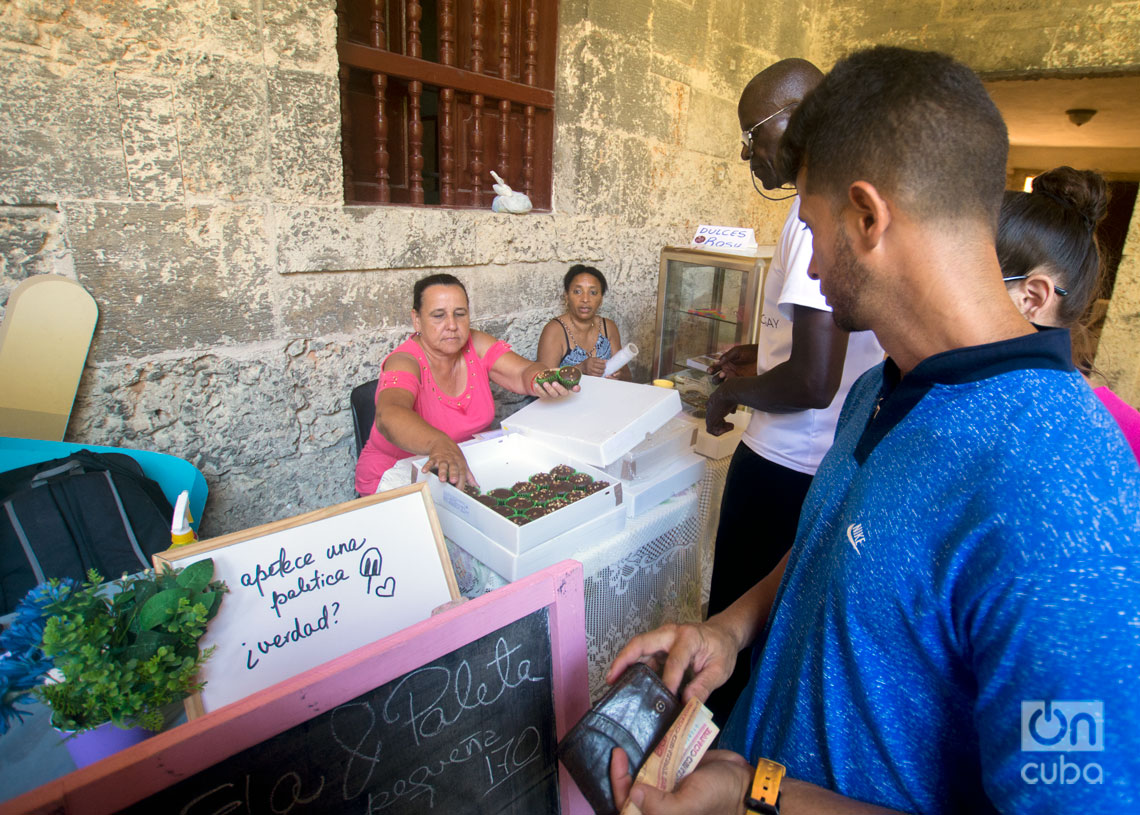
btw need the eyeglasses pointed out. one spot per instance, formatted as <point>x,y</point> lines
<point>1061,292</point>
<point>746,136</point>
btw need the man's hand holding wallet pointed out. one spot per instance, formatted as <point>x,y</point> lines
<point>662,740</point>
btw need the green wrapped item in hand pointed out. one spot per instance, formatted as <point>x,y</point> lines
<point>569,375</point>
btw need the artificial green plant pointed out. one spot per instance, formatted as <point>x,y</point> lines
<point>121,656</point>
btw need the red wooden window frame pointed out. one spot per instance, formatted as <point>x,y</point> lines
<point>437,93</point>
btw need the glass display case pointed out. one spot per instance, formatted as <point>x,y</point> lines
<point>707,302</point>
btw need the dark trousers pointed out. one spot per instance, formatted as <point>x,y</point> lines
<point>759,513</point>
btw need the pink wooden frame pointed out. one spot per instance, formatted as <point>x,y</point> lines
<point>128,777</point>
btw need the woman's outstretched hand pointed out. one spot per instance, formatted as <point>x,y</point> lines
<point>446,460</point>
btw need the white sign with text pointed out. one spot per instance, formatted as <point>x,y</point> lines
<point>311,588</point>
<point>735,239</point>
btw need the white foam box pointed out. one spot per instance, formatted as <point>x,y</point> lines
<point>601,422</point>
<point>642,494</point>
<point>659,449</point>
<point>502,461</point>
<point>512,565</point>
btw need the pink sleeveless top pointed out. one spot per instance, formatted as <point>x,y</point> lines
<point>460,417</point>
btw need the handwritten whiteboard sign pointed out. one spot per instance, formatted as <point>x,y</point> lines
<point>307,589</point>
<point>457,713</point>
<point>735,239</point>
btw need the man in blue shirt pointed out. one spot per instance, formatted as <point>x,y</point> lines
<point>957,626</point>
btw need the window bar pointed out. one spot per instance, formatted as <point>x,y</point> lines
<point>345,108</point>
<point>530,62</point>
<point>415,122</point>
<point>379,84</point>
<point>476,166</point>
<point>446,103</point>
<point>505,73</point>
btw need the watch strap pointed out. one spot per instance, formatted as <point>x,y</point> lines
<point>764,797</point>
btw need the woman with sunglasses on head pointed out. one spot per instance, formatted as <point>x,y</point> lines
<point>581,336</point>
<point>1051,263</point>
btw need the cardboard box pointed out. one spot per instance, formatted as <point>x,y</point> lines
<point>640,495</point>
<point>600,423</point>
<point>502,461</point>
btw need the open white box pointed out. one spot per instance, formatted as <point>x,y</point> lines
<point>502,461</point>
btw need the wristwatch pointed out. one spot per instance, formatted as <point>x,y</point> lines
<point>764,799</point>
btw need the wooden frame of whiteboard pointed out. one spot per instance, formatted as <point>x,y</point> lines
<point>170,557</point>
<point>145,769</point>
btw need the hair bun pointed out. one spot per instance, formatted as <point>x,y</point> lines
<point>1083,190</point>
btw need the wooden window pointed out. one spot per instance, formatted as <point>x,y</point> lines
<point>437,93</point>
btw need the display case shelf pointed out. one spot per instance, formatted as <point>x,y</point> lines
<point>706,304</point>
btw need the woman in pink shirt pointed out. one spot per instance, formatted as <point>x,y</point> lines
<point>1050,261</point>
<point>435,390</point>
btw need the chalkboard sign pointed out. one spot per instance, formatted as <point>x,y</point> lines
<point>307,589</point>
<point>457,714</point>
<point>470,732</point>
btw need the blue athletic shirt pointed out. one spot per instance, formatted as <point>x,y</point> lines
<point>958,627</point>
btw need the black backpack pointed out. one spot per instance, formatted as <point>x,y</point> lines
<point>85,511</point>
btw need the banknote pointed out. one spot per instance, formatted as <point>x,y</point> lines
<point>678,752</point>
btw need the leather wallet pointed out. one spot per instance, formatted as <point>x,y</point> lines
<point>634,715</point>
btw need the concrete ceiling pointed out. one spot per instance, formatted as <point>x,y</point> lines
<point>1041,135</point>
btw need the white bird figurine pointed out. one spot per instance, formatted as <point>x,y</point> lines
<point>507,200</point>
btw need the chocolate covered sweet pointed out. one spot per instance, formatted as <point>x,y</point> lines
<point>534,513</point>
<point>471,489</point>
<point>574,495</point>
<point>524,487</point>
<point>562,487</point>
<point>596,486</point>
<point>501,494</point>
<point>547,376</point>
<point>519,520</point>
<point>543,495</point>
<point>557,503</point>
<point>486,500</point>
<point>580,479</point>
<point>542,479</point>
<point>569,375</point>
<point>505,511</point>
<point>562,471</point>
<point>520,502</point>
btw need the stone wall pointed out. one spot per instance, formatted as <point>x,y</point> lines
<point>182,162</point>
<point>1010,39</point>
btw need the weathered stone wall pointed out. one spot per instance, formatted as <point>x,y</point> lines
<point>1016,38</point>
<point>182,161</point>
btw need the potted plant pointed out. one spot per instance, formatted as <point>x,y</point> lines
<point>114,654</point>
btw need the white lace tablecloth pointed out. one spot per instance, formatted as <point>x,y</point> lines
<point>648,574</point>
